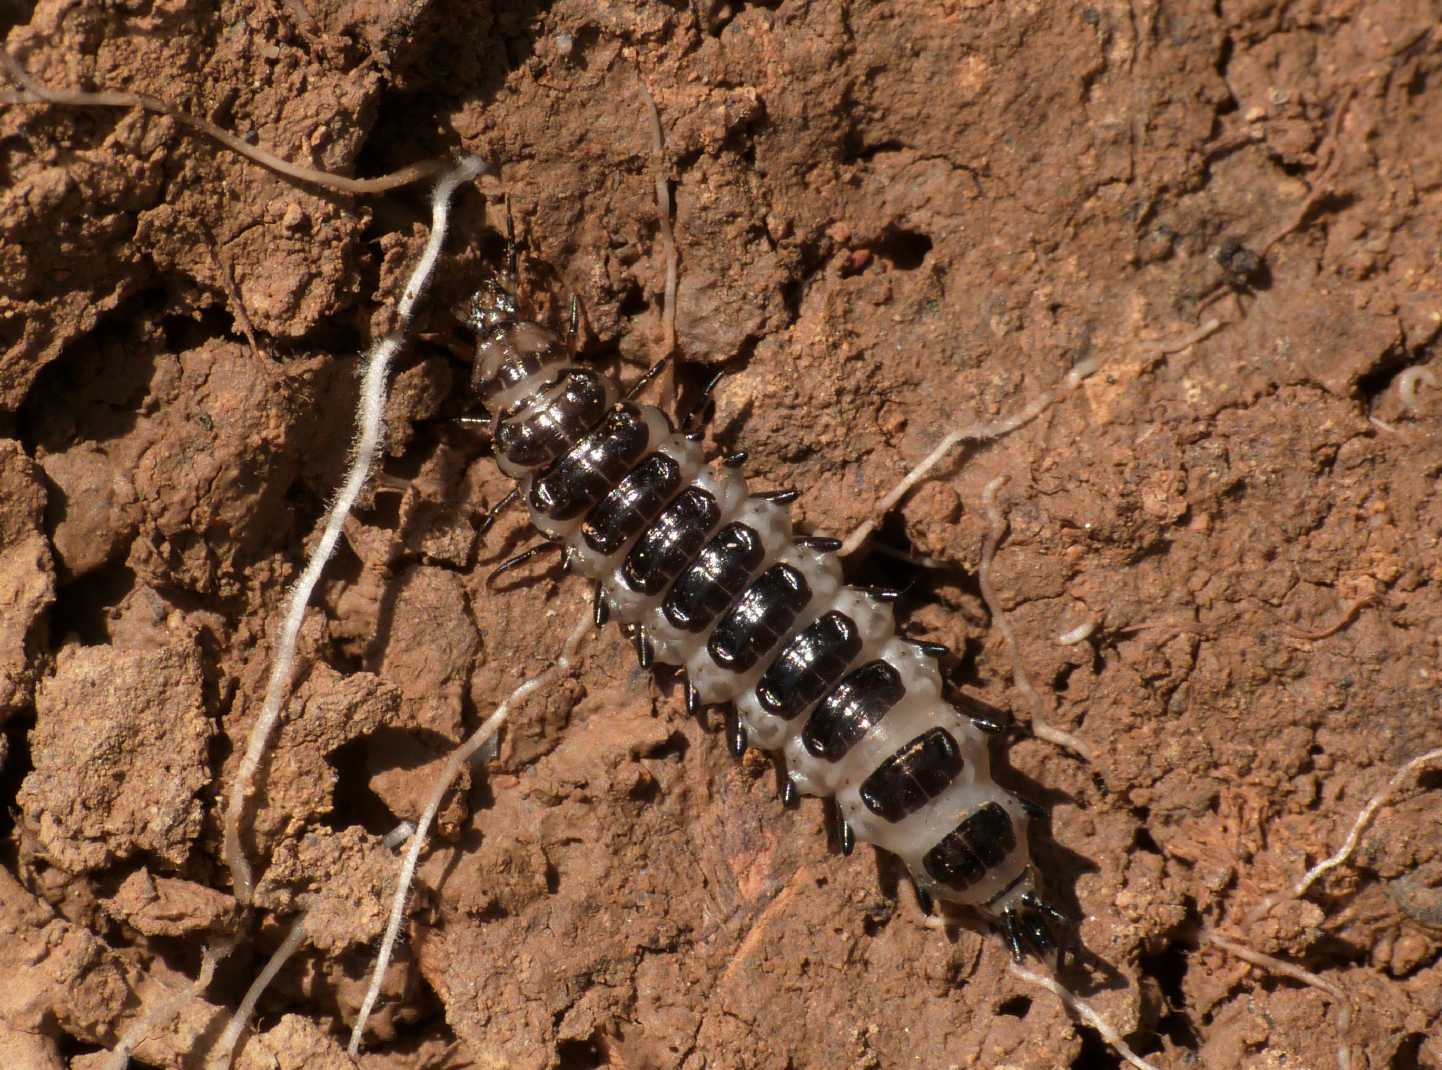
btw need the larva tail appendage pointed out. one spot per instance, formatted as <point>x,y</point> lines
<point>1030,923</point>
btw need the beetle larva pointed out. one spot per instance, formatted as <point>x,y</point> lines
<point>711,578</point>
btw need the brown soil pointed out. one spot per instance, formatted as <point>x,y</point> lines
<point>891,218</point>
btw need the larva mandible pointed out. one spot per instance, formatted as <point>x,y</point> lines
<point>711,578</point>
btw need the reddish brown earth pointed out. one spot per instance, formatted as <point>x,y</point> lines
<point>891,218</point>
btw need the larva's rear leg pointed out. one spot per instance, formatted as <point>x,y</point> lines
<point>1031,923</point>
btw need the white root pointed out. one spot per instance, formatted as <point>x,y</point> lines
<point>398,835</point>
<point>979,431</point>
<point>668,237</point>
<point>167,1009</point>
<point>1364,819</point>
<point>32,92</point>
<point>1407,385</point>
<point>224,1050</point>
<point>458,758</point>
<point>1080,634</point>
<point>1040,727</point>
<point>1354,837</point>
<point>1286,969</point>
<point>1176,345</point>
<point>1078,1007</point>
<point>984,430</point>
<point>370,416</point>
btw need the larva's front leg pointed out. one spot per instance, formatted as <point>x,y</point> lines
<point>712,579</point>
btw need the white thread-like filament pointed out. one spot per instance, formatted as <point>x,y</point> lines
<point>1040,726</point>
<point>167,1009</point>
<point>1077,1006</point>
<point>224,1049</point>
<point>1407,385</point>
<point>1079,634</point>
<point>370,416</point>
<point>456,760</point>
<point>1286,969</point>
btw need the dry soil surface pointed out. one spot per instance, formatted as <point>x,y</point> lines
<point>891,218</point>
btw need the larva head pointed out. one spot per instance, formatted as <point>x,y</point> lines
<point>515,358</point>
<point>493,305</point>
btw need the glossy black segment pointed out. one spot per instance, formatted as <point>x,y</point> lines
<point>917,773</point>
<point>759,618</point>
<point>809,665</point>
<point>934,650</point>
<point>849,710</point>
<point>693,700</point>
<point>621,514</point>
<point>1012,933</point>
<point>983,715</point>
<point>848,839</point>
<point>702,402</point>
<point>600,611</point>
<point>573,407</point>
<point>990,833</point>
<point>672,540</point>
<point>496,510</point>
<point>651,373</point>
<point>982,840</point>
<point>990,727</point>
<point>881,594</point>
<point>780,497</point>
<point>819,543</point>
<point>924,900</point>
<point>736,460</point>
<point>645,650</point>
<point>521,558</point>
<point>593,467</point>
<point>717,576</point>
<point>740,739</point>
<point>790,796</point>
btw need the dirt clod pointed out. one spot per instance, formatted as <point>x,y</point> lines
<point>892,219</point>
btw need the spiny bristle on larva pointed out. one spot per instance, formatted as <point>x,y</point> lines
<point>709,576</point>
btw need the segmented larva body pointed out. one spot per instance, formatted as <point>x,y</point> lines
<point>712,579</point>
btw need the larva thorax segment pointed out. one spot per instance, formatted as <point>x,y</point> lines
<point>712,579</point>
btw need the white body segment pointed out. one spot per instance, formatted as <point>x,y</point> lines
<point>726,591</point>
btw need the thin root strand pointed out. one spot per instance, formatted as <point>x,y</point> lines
<point>1407,385</point>
<point>370,417</point>
<point>167,1009</point>
<point>32,92</point>
<point>1040,726</point>
<point>224,1049</point>
<point>1364,820</point>
<point>1084,1011</point>
<point>980,431</point>
<point>663,219</point>
<point>457,759</point>
<point>1306,977</point>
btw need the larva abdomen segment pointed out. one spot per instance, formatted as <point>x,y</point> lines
<point>713,580</point>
